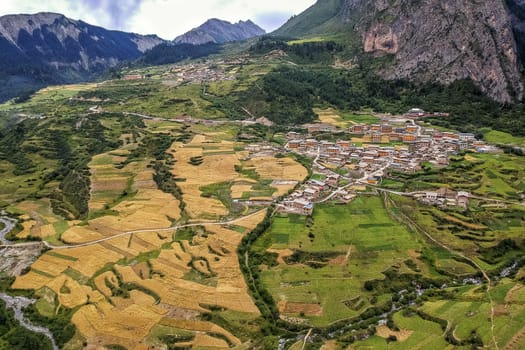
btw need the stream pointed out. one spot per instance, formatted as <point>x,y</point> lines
<point>9,225</point>
<point>17,304</point>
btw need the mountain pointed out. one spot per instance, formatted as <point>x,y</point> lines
<point>45,48</point>
<point>218,31</point>
<point>429,41</point>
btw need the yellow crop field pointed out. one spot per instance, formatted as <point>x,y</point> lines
<point>128,321</point>
<point>147,208</point>
<point>107,182</point>
<point>216,167</point>
<point>125,325</point>
<point>209,342</point>
<point>80,234</point>
<point>100,282</point>
<point>39,218</point>
<point>30,280</point>
<point>91,258</point>
<point>282,190</point>
<point>51,265</point>
<point>185,275</point>
<point>70,293</point>
<point>252,221</point>
<point>330,116</point>
<point>239,189</point>
<point>278,168</point>
<point>200,326</point>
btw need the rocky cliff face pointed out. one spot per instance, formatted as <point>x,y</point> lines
<point>433,40</point>
<point>218,31</point>
<point>444,41</point>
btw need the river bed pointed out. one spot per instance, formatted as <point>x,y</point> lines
<point>17,304</point>
<point>9,225</point>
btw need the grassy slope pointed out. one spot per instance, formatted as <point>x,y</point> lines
<point>315,20</point>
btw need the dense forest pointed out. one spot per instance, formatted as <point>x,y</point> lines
<point>15,337</point>
<point>287,95</point>
<point>301,52</point>
<point>173,53</point>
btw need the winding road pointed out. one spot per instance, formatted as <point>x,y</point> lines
<point>127,233</point>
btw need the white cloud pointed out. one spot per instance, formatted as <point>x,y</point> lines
<point>166,18</point>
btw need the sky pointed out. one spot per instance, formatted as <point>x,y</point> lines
<point>166,18</point>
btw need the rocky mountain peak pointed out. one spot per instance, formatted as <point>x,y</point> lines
<point>219,31</point>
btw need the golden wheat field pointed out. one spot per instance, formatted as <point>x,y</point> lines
<point>216,167</point>
<point>115,320</point>
<point>330,116</point>
<point>39,219</point>
<point>131,275</point>
<point>278,168</point>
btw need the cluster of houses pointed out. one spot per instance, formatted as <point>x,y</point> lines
<point>445,197</point>
<point>414,145</point>
<point>201,72</point>
<point>302,200</point>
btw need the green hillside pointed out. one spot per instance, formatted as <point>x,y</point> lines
<point>320,18</point>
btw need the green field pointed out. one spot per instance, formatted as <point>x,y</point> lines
<point>363,229</point>
<point>361,118</point>
<point>425,335</point>
<point>497,176</point>
<point>500,137</point>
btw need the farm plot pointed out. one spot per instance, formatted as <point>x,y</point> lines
<point>275,177</point>
<point>333,255</point>
<point>198,170</point>
<point>415,333</point>
<point>39,219</point>
<point>330,116</point>
<point>131,202</point>
<point>277,168</point>
<point>166,285</point>
<point>107,181</point>
<point>132,192</point>
<point>125,324</point>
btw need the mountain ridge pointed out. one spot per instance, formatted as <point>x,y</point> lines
<point>219,31</point>
<point>46,47</point>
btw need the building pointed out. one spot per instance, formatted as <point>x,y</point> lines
<point>415,112</point>
<point>376,138</point>
<point>311,143</point>
<point>467,137</point>
<point>303,207</point>
<point>409,138</point>
<point>294,144</point>
<point>411,129</point>
<point>386,128</point>
<point>132,77</point>
<point>431,196</point>
<point>357,129</point>
<point>462,199</point>
<point>343,144</point>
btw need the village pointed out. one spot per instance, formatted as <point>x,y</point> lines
<point>370,152</point>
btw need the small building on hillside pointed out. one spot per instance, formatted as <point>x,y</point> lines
<point>415,112</point>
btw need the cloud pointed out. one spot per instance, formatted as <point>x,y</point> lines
<point>166,18</point>
<point>271,20</point>
<point>108,13</point>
